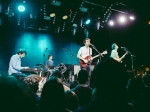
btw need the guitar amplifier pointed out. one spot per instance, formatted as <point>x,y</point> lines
<point>75,68</point>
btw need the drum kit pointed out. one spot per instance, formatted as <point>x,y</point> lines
<point>48,73</point>
<point>61,68</point>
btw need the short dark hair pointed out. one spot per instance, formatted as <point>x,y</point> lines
<point>86,39</point>
<point>21,51</point>
<point>49,56</point>
<point>82,76</point>
<point>113,45</point>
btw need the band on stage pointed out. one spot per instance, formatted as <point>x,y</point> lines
<point>84,55</point>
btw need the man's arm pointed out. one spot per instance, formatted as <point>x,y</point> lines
<point>15,64</point>
<point>80,57</point>
<point>115,56</point>
<point>46,65</point>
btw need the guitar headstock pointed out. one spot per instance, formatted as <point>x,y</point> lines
<point>104,52</point>
<point>126,52</point>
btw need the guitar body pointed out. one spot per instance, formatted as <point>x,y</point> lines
<point>83,64</point>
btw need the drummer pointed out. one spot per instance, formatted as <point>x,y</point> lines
<point>50,63</point>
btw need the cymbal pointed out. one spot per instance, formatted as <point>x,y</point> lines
<point>40,64</point>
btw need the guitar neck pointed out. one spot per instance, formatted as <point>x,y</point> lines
<point>96,56</point>
<point>122,56</point>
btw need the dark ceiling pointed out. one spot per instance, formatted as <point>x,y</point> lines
<point>37,13</point>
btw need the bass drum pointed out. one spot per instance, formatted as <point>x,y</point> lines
<point>61,67</point>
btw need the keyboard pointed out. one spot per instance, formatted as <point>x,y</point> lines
<point>31,70</point>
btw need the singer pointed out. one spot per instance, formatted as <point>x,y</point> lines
<point>85,56</point>
<point>114,53</point>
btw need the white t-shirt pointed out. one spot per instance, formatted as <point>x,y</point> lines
<point>83,51</point>
<point>114,54</point>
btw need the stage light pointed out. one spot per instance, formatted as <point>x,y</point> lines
<point>52,15</point>
<point>21,8</point>
<point>111,23</point>
<point>122,19</point>
<point>131,18</point>
<point>149,22</point>
<point>98,25</point>
<point>65,17</point>
<point>74,29</point>
<point>87,22</point>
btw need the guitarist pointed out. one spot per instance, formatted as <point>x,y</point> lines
<point>114,53</point>
<point>84,52</point>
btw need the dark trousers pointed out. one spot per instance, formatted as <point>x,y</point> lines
<point>88,68</point>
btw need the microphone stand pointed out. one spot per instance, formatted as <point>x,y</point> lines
<point>97,51</point>
<point>44,56</point>
<point>131,57</point>
<point>69,52</point>
<point>70,73</point>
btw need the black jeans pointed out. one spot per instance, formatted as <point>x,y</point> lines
<point>88,68</point>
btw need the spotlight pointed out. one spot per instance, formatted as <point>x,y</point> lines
<point>21,8</point>
<point>122,19</point>
<point>65,17</point>
<point>131,18</point>
<point>111,23</point>
<point>88,21</point>
<point>52,15</point>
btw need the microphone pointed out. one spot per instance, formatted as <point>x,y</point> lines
<point>123,47</point>
<point>91,44</point>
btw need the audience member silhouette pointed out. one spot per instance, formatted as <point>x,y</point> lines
<point>82,90</point>
<point>53,96</point>
<point>14,97</point>
<point>72,101</point>
<point>109,79</point>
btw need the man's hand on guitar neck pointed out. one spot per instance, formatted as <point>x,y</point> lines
<point>119,60</point>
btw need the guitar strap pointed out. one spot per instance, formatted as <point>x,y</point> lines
<point>89,54</point>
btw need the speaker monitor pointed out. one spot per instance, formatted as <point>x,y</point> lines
<point>77,68</point>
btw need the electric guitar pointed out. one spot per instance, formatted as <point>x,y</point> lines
<point>120,59</point>
<point>88,58</point>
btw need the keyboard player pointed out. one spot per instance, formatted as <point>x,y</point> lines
<point>15,63</point>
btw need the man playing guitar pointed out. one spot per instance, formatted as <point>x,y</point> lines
<point>83,53</point>
<point>114,53</point>
<point>85,56</point>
